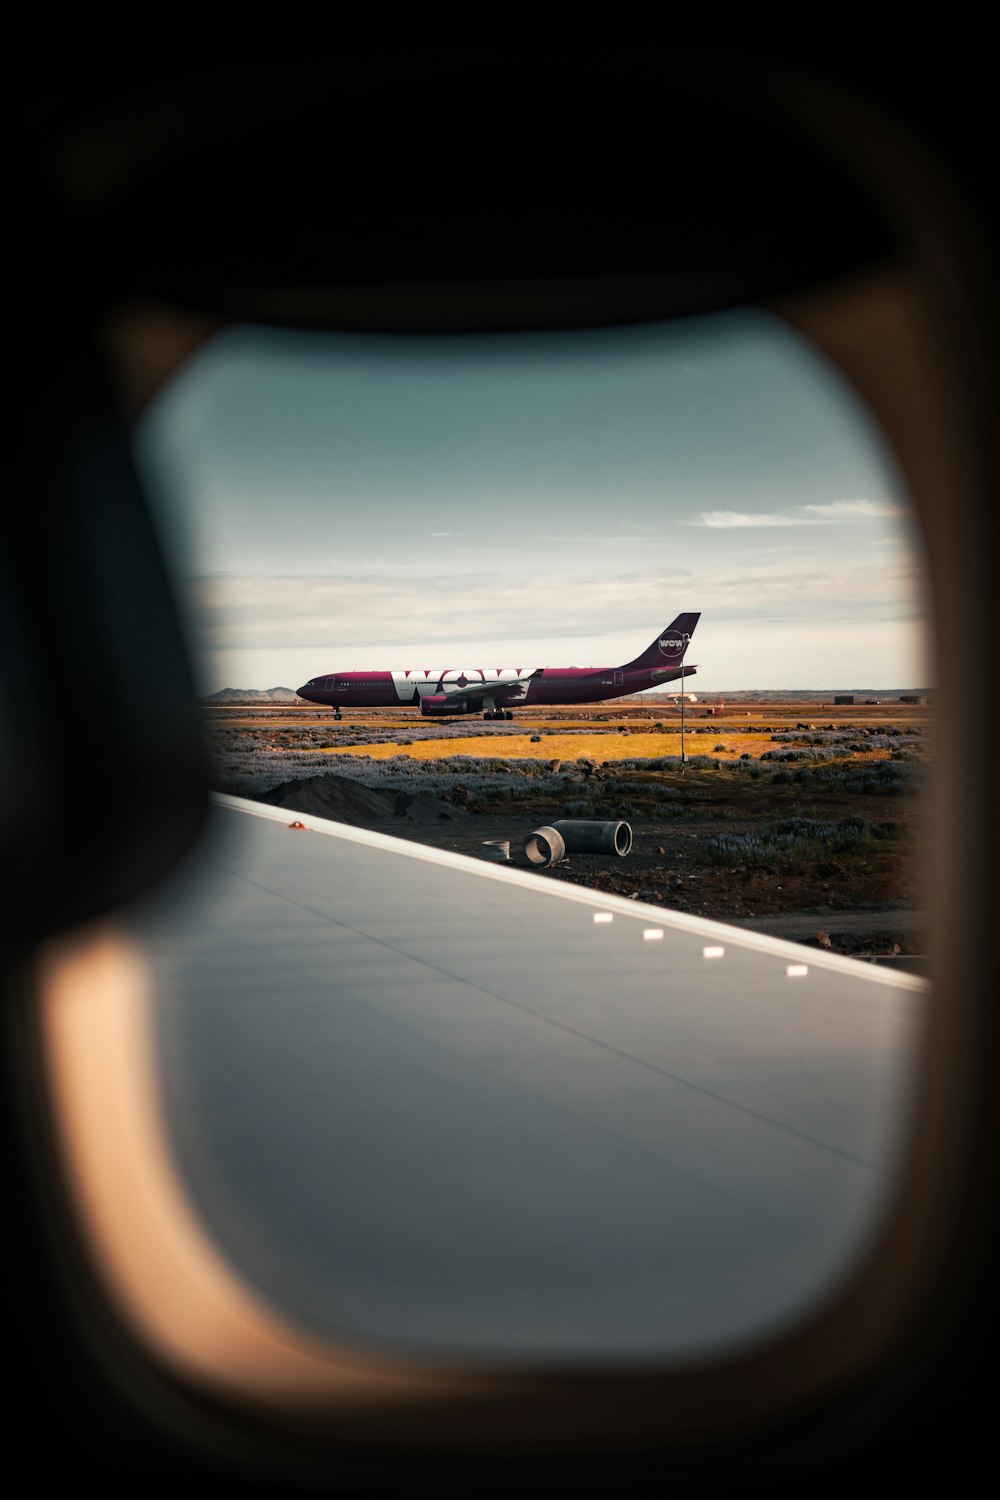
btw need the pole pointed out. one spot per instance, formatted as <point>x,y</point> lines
<point>686,639</point>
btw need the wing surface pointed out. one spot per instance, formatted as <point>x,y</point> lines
<point>507,687</point>
<point>425,1102</point>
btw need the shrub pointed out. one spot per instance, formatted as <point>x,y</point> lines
<point>791,839</point>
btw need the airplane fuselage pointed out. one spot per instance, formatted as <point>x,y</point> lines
<point>574,684</point>
<point>496,690</point>
<point>512,687</point>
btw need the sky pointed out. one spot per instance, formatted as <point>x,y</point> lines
<point>333,502</point>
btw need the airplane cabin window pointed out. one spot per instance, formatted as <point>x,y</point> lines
<point>431,1101</point>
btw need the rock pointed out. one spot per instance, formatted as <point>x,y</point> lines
<point>823,940</point>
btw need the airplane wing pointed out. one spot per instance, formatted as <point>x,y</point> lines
<point>510,688</point>
<point>428,1103</point>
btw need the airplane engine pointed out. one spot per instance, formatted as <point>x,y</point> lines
<point>446,703</point>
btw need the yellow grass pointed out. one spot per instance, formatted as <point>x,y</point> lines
<point>571,747</point>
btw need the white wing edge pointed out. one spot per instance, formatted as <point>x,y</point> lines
<point>635,911</point>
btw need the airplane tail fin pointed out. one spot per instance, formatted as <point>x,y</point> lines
<point>668,648</point>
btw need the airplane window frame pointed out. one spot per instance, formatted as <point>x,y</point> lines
<point>887,305</point>
<point>913,374</point>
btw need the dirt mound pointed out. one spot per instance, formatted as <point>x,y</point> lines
<point>334,797</point>
<point>347,801</point>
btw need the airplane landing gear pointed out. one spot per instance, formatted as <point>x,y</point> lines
<point>498,713</point>
<point>337,714</point>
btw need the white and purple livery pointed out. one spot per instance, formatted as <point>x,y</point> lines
<point>494,690</point>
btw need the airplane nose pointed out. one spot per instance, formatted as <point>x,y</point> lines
<point>308,692</point>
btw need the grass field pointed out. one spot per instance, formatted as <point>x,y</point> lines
<point>570,747</point>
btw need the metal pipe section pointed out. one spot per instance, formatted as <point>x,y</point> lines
<point>544,847</point>
<point>592,836</point>
<point>496,849</point>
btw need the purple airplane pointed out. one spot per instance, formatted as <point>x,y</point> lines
<point>444,691</point>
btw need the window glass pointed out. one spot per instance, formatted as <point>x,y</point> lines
<point>429,1111</point>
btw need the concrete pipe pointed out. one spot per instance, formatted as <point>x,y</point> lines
<point>544,847</point>
<point>592,836</point>
<point>495,849</point>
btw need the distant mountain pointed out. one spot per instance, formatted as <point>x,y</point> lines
<point>253,695</point>
<point>782,695</point>
<point>820,695</point>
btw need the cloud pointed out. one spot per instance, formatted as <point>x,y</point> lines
<point>721,520</point>
<point>617,539</point>
<point>857,510</point>
<point>252,613</point>
<point>817,515</point>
